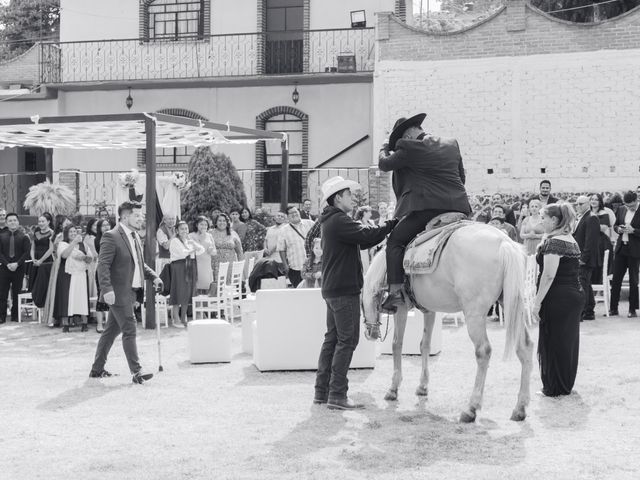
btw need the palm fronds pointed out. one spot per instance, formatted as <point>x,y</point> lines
<point>50,197</point>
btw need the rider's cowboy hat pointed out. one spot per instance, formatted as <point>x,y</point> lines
<point>401,125</point>
<point>336,184</point>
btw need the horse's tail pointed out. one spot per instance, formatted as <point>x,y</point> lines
<point>512,259</point>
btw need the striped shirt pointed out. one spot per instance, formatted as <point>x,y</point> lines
<point>292,243</point>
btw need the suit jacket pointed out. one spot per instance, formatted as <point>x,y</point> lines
<point>427,174</point>
<point>116,266</point>
<point>587,235</point>
<point>634,238</point>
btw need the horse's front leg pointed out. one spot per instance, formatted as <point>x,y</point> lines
<point>425,350</point>
<point>400,323</point>
<point>476,326</point>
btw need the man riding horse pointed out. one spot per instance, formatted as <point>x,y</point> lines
<point>428,180</point>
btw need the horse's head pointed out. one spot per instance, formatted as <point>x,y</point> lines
<point>372,295</point>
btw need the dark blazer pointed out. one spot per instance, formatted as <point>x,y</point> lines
<point>427,174</point>
<point>551,200</point>
<point>116,267</point>
<point>634,238</point>
<point>587,235</point>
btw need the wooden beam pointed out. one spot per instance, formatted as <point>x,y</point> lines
<point>150,237</point>
<point>284,182</point>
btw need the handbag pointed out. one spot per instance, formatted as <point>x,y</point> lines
<point>165,276</point>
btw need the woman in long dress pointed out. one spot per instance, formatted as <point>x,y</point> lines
<point>253,243</point>
<point>90,246</point>
<point>61,222</point>
<point>559,301</point>
<point>607,219</point>
<point>228,246</point>
<point>184,271</point>
<point>42,260</point>
<point>103,226</point>
<point>531,230</point>
<point>202,237</point>
<point>166,232</point>
<point>72,289</point>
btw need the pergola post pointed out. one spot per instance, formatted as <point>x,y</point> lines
<point>284,182</point>
<point>151,226</point>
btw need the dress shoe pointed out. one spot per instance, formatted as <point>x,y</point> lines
<point>84,328</point>
<point>632,314</point>
<point>343,404</point>
<point>14,319</point>
<point>613,313</point>
<point>588,316</point>
<point>65,329</point>
<point>102,374</point>
<point>140,377</point>
<point>392,302</point>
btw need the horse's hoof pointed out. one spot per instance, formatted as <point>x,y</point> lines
<point>422,391</point>
<point>467,417</point>
<point>391,396</point>
<point>518,415</point>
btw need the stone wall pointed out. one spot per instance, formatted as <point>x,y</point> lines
<point>527,96</point>
<point>23,69</point>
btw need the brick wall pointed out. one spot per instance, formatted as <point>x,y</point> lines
<point>23,69</point>
<point>526,95</point>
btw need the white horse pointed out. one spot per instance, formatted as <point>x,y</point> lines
<point>479,265</point>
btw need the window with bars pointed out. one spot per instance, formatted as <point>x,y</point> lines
<point>174,19</point>
<point>292,125</point>
<point>174,155</point>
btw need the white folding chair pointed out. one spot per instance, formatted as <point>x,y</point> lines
<point>25,302</point>
<point>233,292</point>
<point>162,311</point>
<point>207,305</point>
<point>604,289</point>
<point>250,264</point>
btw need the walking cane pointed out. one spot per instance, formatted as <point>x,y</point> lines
<point>160,369</point>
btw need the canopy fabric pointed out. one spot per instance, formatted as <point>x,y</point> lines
<point>123,131</point>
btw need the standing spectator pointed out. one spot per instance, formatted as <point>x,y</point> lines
<point>60,222</point>
<point>614,202</point>
<point>3,219</point>
<point>559,301</point>
<point>626,253</point>
<point>202,237</point>
<point>313,233</point>
<point>523,213</point>
<point>90,245</point>
<point>545,196</point>
<point>254,238</point>
<point>500,211</point>
<point>15,248</point>
<point>291,245</point>
<point>363,215</point>
<point>272,235</point>
<point>606,219</point>
<point>103,226</point>
<point>532,230</point>
<point>228,246</point>
<point>72,291</point>
<point>312,271</point>
<point>497,200</point>
<point>479,213</point>
<point>587,236</point>
<point>183,251</point>
<point>122,271</point>
<point>103,214</point>
<point>42,257</point>
<point>237,224</point>
<point>166,232</point>
<point>305,212</point>
<point>382,214</point>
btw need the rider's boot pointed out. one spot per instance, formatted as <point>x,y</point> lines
<point>394,299</point>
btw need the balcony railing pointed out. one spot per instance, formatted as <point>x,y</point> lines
<point>233,55</point>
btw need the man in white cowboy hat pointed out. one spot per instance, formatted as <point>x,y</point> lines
<point>342,240</point>
<point>428,180</point>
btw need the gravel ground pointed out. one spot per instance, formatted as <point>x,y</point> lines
<point>231,421</point>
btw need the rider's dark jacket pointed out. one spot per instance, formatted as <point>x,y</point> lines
<point>342,240</point>
<point>427,174</point>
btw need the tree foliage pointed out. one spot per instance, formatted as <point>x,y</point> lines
<point>215,184</point>
<point>585,11</point>
<point>25,22</point>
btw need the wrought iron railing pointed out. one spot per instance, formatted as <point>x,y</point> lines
<point>231,55</point>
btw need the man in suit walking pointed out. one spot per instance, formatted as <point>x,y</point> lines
<point>428,180</point>
<point>626,252</point>
<point>587,235</point>
<point>121,274</point>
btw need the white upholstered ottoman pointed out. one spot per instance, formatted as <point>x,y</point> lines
<point>289,331</point>
<point>413,334</point>
<point>209,341</point>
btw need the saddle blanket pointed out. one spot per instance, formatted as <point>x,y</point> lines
<point>423,253</point>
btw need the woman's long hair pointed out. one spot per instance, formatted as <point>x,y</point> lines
<point>600,202</point>
<point>90,223</point>
<point>99,232</point>
<point>226,217</point>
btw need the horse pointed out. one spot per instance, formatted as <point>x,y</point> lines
<point>479,266</point>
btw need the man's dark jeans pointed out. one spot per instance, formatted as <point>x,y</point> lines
<point>585,275</point>
<point>621,262</point>
<point>341,339</point>
<point>10,280</point>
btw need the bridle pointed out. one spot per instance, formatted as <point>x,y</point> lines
<point>372,330</point>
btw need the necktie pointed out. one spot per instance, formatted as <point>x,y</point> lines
<point>138,256</point>
<point>12,245</point>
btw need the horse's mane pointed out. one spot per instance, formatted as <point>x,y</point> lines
<point>375,281</point>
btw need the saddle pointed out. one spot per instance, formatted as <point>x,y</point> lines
<point>422,255</point>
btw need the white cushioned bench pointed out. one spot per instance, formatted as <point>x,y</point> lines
<point>209,341</point>
<point>289,330</point>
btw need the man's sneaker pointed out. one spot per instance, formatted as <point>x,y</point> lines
<point>343,404</point>
<point>140,377</point>
<point>102,374</point>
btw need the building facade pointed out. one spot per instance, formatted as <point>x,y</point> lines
<point>236,61</point>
